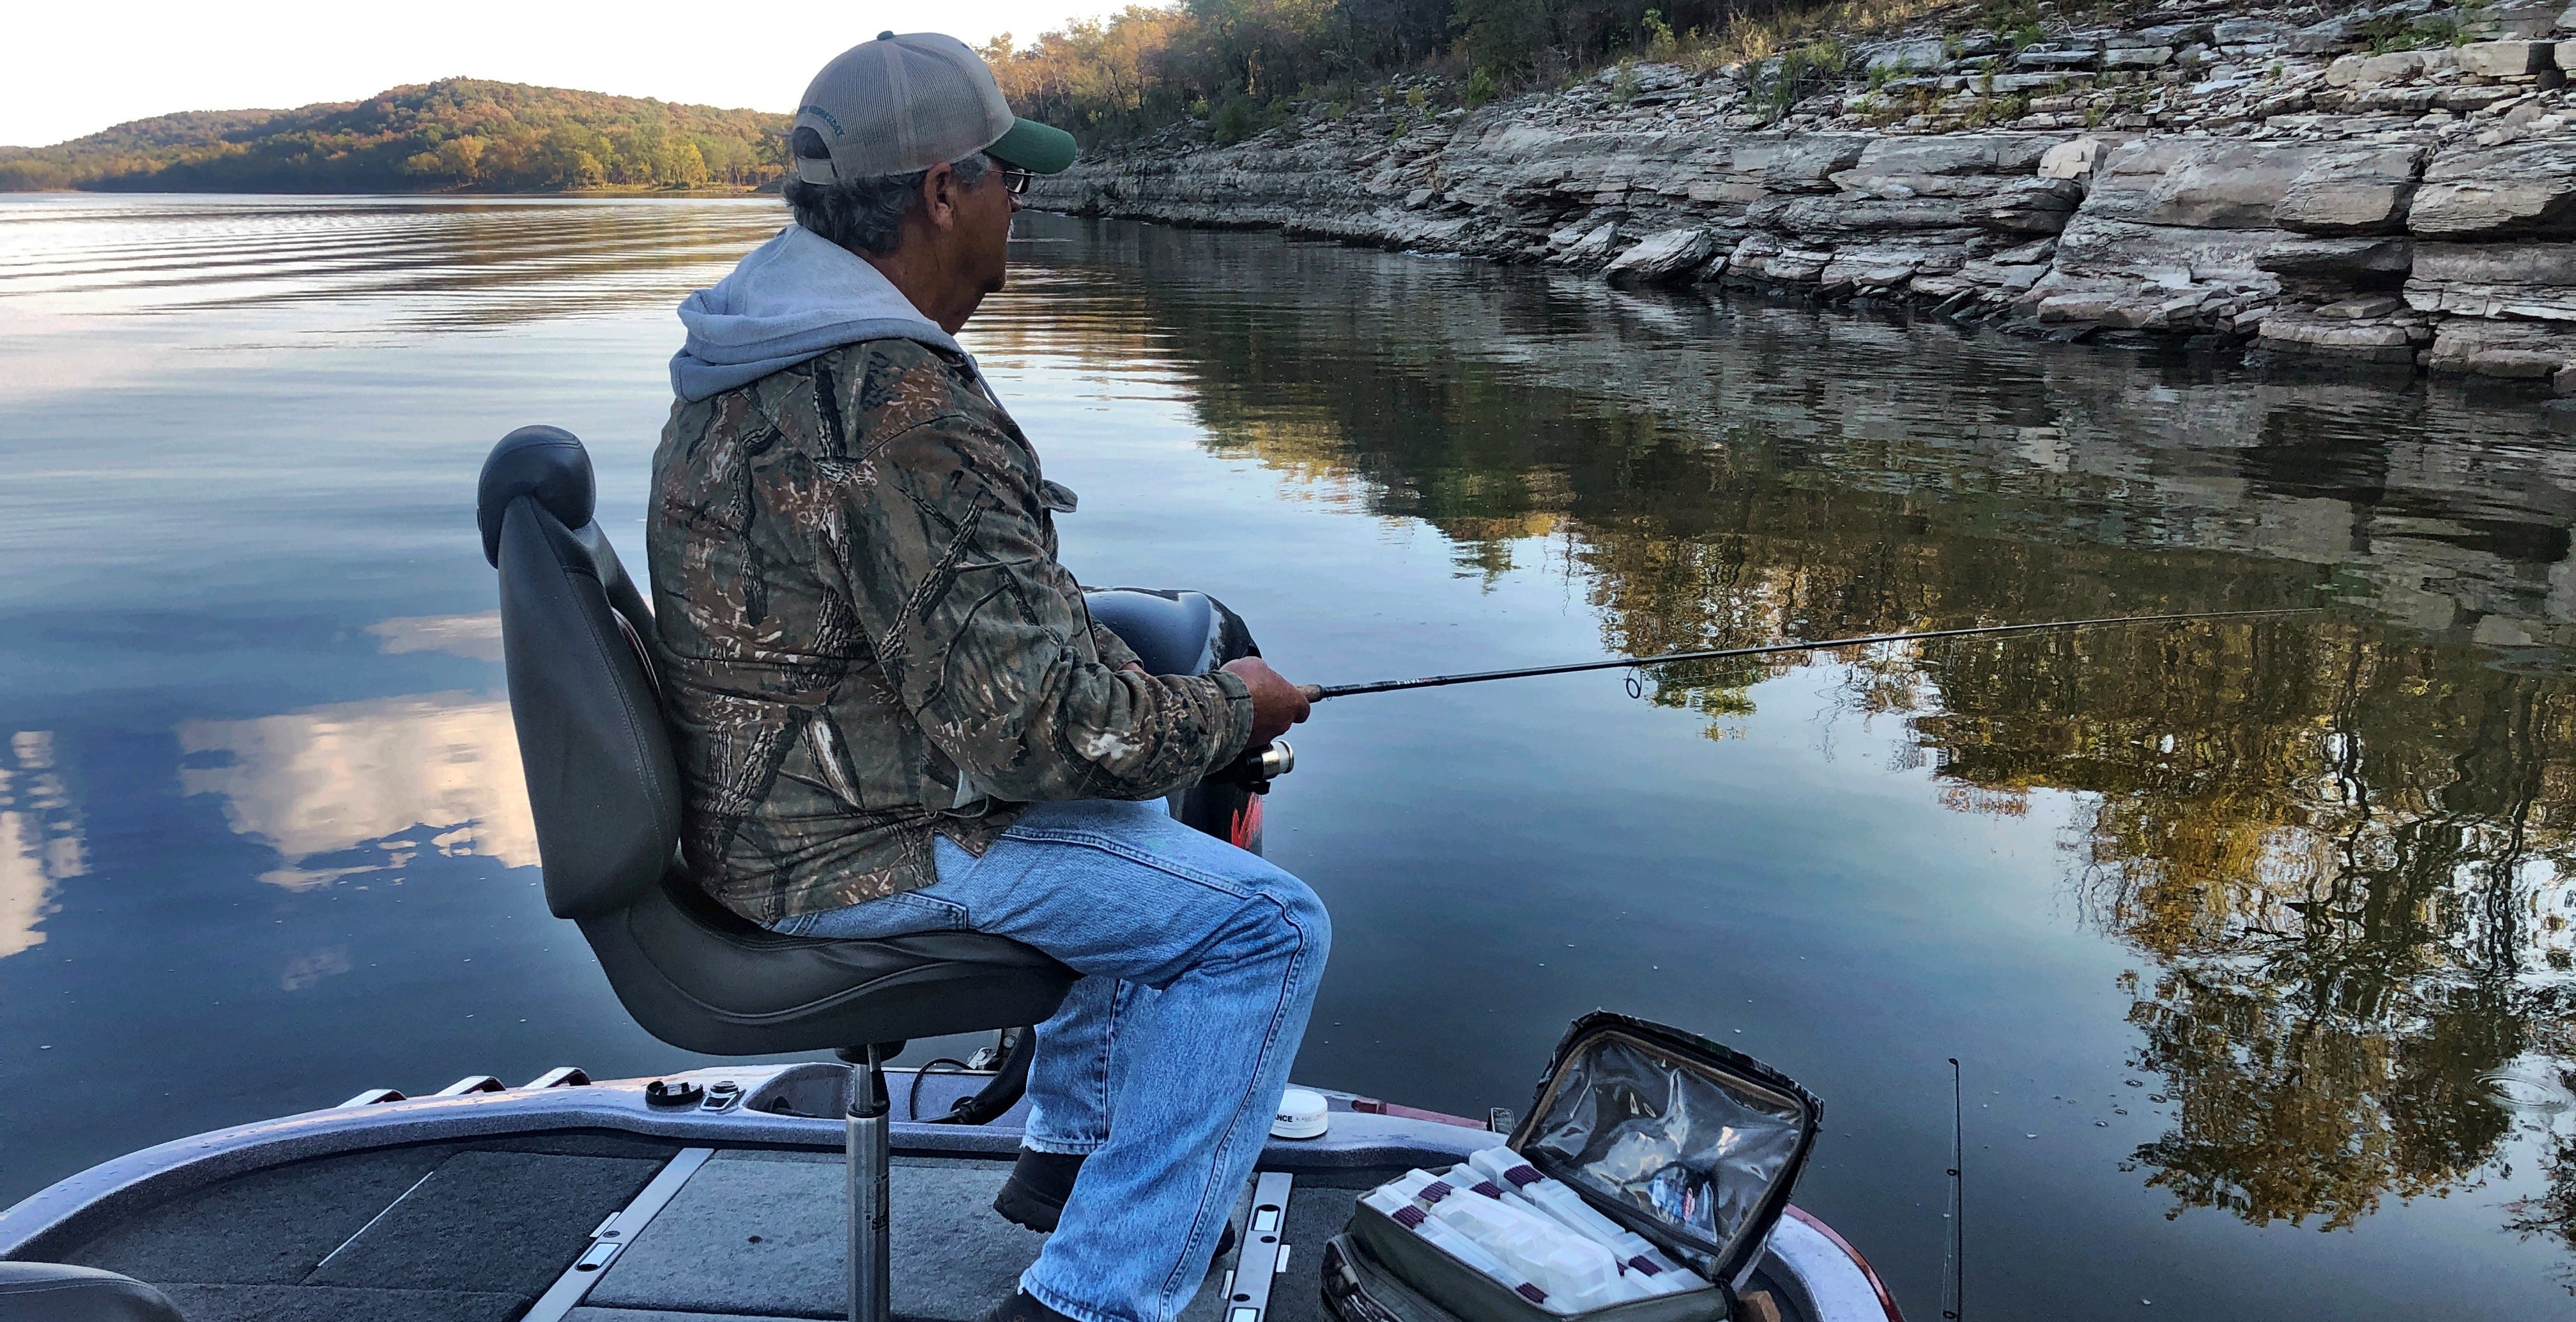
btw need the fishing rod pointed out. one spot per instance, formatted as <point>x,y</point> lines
<point>1319,692</point>
<point>1954,1270</point>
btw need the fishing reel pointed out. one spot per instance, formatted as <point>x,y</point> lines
<point>1258,767</point>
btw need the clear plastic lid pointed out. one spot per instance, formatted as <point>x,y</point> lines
<point>1692,1145</point>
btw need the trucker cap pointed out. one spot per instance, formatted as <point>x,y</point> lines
<point>899,104</point>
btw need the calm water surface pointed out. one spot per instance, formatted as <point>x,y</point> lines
<point>2253,939</point>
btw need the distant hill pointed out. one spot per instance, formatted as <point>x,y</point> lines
<point>454,134</point>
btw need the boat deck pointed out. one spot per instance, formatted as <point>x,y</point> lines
<point>479,1232</point>
<point>566,1205</point>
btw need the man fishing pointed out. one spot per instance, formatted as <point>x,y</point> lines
<point>892,714</point>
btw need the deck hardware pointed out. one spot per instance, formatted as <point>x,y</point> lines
<point>371,1097</point>
<point>680,1093</point>
<point>561,1076</point>
<point>721,1095</point>
<point>471,1083</point>
<point>989,1057</point>
<point>619,1230</point>
<point>1263,1257</point>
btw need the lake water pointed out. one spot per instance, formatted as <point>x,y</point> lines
<point>2253,938</point>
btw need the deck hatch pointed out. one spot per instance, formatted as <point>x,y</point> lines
<point>613,1234</point>
<point>485,1221</point>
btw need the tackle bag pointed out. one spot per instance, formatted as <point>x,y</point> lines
<point>1687,1144</point>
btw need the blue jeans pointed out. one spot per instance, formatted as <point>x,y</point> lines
<point>1166,1062</point>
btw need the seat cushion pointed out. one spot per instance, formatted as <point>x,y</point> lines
<point>700,978</point>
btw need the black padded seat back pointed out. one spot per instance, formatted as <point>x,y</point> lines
<point>580,649</point>
<point>575,641</point>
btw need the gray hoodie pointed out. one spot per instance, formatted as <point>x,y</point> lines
<point>795,297</point>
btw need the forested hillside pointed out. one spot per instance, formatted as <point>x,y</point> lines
<point>1244,65</point>
<point>1240,66</point>
<point>458,133</point>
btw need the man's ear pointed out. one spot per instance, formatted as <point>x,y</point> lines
<point>939,195</point>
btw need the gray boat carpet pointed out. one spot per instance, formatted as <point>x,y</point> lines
<point>473,1231</point>
<point>271,1227</point>
<point>767,1233</point>
<point>582,1143</point>
<point>764,1234</point>
<point>305,1303</point>
<point>589,1314</point>
<point>1314,1215</point>
<point>488,1222</point>
<point>440,1232</point>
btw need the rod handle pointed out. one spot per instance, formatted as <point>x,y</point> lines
<point>1312,692</point>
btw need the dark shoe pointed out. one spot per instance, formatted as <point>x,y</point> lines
<point>1041,1181</point>
<point>1023,1307</point>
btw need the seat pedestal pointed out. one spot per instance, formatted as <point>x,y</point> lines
<point>871,1234</point>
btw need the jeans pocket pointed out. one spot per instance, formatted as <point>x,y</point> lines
<point>934,913</point>
<point>907,913</point>
<point>794,924</point>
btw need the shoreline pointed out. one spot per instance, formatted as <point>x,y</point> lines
<point>757,190</point>
<point>2252,182</point>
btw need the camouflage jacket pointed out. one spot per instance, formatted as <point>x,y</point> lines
<point>867,639</point>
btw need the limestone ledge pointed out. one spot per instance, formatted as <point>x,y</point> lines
<point>2328,204</point>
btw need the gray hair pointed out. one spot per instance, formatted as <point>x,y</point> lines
<point>866,215</point>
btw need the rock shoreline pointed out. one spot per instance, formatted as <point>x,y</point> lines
<point>2251,178</point>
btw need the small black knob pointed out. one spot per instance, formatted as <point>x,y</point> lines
<point>658,1093</point>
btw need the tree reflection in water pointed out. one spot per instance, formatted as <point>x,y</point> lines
<point>2337,842</point>
<point>2342,851</point>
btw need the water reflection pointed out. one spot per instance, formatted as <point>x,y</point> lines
<point>2330,852</point>
<point>363,787</point>
<point>309,969</point>
<point>2337,845</point>
<point>437,263</point>
<point>476,637</point>
<point>40,840</point>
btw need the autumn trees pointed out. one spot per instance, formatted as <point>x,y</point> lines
<point>1241,63</point>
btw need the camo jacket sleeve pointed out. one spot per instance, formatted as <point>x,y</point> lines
<point>1114,651</point>
<point>946,546</point>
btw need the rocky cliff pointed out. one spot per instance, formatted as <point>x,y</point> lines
<point>2281,179</point>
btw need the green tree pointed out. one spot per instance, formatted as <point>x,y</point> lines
<point>459,133</point>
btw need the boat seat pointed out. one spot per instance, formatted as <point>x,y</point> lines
<point>581,652</point>
<point>53,1292</point>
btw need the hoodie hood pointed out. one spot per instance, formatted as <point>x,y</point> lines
<point>795,297</point>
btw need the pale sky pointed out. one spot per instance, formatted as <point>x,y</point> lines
<point>78,68</point>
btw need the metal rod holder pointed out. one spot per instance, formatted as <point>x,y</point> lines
<point>871,1238</point>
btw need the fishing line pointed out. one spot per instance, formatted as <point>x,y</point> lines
<point>1319,692</point>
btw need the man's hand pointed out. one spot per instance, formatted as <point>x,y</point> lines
<point>1276,703</point>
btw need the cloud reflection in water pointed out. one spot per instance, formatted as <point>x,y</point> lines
<point>360,787</point>
<point>40,840</point>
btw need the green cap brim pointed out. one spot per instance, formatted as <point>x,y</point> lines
<point>1035,147</point>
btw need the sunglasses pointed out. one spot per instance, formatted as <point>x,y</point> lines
<point>1015,180</point>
